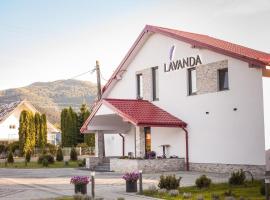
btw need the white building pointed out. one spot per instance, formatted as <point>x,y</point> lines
<point>199,96</point>
<point>9,122</point>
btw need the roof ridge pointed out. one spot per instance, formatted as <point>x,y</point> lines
<point>117,99</point>
<point>209,36</point>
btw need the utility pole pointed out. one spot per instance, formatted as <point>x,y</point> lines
<point>98,81</point>
<point>101,134</point>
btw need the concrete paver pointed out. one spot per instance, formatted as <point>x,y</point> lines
<point>26,184</point>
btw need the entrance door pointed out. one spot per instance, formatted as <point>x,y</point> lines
<point>147,132</point>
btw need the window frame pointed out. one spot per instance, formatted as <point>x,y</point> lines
<point>190,86</point>
<point>154,83</point>
<point>139,95</point>
<point>219,80</point>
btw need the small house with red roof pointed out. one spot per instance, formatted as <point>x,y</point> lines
<point>184,99</point>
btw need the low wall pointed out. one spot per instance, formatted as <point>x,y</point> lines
<point>147,165</point>
<point>92,162</point>
<point>257,170</point>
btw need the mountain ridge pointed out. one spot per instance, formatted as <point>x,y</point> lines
<point>51,97</point>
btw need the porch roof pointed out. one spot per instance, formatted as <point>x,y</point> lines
<point>139,113</point>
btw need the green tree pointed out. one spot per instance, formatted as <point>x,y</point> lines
<point>38,129</point>
<point>43,130</point>
<point>63,126</point>
<point>23,129</point>
<point>82,116</point>
<point>26,132</point>
<point>69,127</point>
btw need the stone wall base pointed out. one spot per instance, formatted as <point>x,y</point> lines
<point>147,165</point>
<point>92,162</point>
<point>257,170</point>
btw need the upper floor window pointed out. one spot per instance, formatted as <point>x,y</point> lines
<point>139,86</point>
<point>155,79</point>
<point>223,79</point>
<point>192,81</point>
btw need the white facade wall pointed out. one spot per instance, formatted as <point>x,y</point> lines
<point>175,137</point>
<point>223,136</point>
<point>130,141</point>
<point>113,145</point>
<point>6,133</point>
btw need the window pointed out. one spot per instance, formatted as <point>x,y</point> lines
<point>192,82</point>
<point>139,86</point>
<point>223,79</point>
<point>155,83</point>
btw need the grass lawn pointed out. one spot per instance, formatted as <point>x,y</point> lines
<point>249,191</point>
<point>34,165</point>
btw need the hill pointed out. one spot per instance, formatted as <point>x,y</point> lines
<point>51,97</point>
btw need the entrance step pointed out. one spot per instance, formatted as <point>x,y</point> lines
<point>104,167</point>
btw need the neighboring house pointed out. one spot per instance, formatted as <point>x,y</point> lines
<point>9,122</point>
<point>187,95</point>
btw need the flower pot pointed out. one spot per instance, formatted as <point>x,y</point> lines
<point>81,188</point>
<point>131,186</point>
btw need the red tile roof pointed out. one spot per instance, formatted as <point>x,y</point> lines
<point>254,57</point>
<point>215,44</point>
<point>140,113</point>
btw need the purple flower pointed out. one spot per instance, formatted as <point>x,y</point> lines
<point>132,176</point>
<point>79,180</point>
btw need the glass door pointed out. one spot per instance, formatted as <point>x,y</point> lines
<point>147,132</point>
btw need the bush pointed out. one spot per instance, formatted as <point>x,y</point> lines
<point>13,146</point>
<point>73,154</point>
<point>237,178</point>
<point>85,149</point>
<point>203,182</point>
<point>59,155</point>
<point>10,158</point>
<point>2,148</point>
<point>82,163</point>
<point>45,162</point>
<point>28,156</point>
<point>51,148</point>
<point>169,182</point>
<point>47,157</point>
<point>151,155</point>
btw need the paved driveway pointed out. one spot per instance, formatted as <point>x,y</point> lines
<point>25,184</point>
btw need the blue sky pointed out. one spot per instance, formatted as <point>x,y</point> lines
<point>57,39</point>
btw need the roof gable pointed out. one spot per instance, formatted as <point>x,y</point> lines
<point>138,112</point>
<point>7,109</point>
<point>253,57</point>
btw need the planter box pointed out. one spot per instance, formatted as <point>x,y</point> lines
<point>147,165</point>
<point>80,188</point>
<point>131,186</point>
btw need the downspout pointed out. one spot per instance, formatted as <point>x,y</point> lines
<point>123,144</point>
<point>187,149</point>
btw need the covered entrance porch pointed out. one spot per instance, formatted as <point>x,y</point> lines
<point>142,131</point>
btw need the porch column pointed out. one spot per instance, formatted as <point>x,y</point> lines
<point>99,144</point>
<point>140,142</point>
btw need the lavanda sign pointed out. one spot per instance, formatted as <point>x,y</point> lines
<point>182,63</point>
